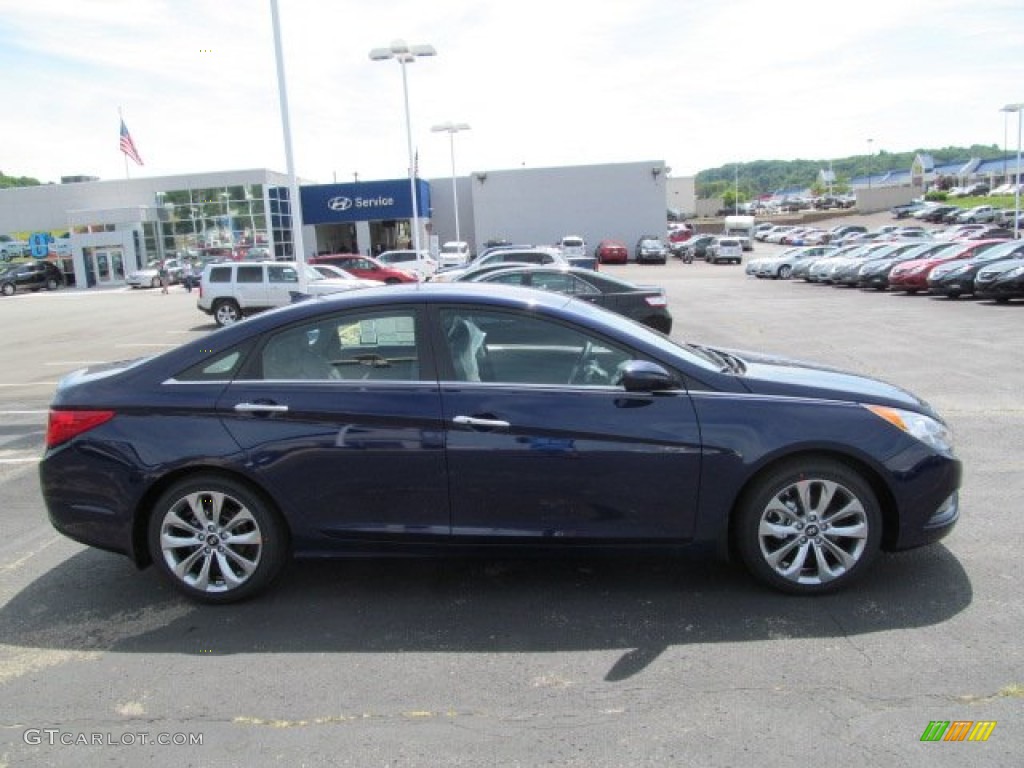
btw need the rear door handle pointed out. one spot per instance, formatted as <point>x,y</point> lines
<point>470,421</point>
<point>260,408</point>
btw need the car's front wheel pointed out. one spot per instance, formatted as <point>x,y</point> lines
<point>227,312</point>
<point>51,284</point>
<point>785,271</point>
<point>216,540</point>
<point>8,289</point>
<point>809,526</point>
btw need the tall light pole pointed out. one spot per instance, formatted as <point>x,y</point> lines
<point>1018,108</point>
<point>294,203</point>
<point>736,189</point>
<point>870,153</point>
<point>404,54</point>
<point>452,129</point>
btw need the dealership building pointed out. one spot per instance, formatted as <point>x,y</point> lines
<point>101,231</point>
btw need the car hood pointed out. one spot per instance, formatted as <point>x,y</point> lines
<point>775,375</point>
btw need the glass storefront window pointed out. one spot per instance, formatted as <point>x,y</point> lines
<point>216,219</point>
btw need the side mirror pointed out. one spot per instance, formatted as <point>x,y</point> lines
<point>645,376</point>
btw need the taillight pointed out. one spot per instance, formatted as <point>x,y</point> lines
<point>656,301</point>
<point>64,425</point>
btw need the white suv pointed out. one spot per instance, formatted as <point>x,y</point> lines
<point>231,290</point>
<point>724,249</point>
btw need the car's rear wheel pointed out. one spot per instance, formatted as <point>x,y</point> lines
<point>808,526</point>
<point>51,284</point>
<point>154,283</point>
<point>227,312</point>
<point>216,540</point>
<point>8,289</point>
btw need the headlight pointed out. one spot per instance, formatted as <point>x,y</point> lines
<point>929,431</point>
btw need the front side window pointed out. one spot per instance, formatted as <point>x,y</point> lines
<point>359,346</point>
<point>282,274</point>
<point>519,348</point>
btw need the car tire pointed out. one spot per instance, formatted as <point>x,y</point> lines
<point>226,312</point>
<point>784,272</point>
<point>392,281</point>
<point>216,540</point>
<point>808,526</point>
<point>51,284</point>
<point>8,289</point>
<point>154,283</point>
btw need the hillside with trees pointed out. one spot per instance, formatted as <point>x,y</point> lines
<point>17,181</point>
<point>763,177</point>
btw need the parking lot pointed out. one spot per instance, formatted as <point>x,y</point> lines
<point>633,661</point>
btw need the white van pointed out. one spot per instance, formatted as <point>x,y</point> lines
<point>741,227</point>
<point>454,254</point>
<point>573,245</point>
<point>231,290</point>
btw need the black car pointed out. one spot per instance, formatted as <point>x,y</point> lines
<point>437,419</point>
<point>644,303</point>
<point>30,276</point>
<point>651,250</point>
<point>696,247</point>
<point>937,214</point>
<point>1008,285</point>
<point>956,278</point>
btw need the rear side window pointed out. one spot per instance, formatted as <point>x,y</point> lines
<point>220,274</point>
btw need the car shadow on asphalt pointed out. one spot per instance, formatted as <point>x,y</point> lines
<point>640,605</point>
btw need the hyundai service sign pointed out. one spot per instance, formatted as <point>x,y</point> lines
<point>362,201</point>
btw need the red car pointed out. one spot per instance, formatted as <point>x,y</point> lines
<point>611,252</point>
<point>366,267</point>
<point>912,276</point>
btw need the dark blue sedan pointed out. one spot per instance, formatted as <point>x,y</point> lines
<point>426,419</point>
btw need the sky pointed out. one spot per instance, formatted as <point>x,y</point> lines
<point>541,83</point>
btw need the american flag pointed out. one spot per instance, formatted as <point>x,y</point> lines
<point>128,146</point>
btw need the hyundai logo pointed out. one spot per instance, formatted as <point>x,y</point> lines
<point>339,203</point>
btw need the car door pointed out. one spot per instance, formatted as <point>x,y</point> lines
<point>251,286</point>
<point>341,418</point>
<point>282,279</point>
<point>543,446</point>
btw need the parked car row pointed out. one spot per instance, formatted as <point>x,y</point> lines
<point>985,269</point>
<point>944,213</point>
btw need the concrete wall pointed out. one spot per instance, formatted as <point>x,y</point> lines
<point>682,195</point>
<point>883,198</point>
<point>442,206</point>
<point>541,205</point>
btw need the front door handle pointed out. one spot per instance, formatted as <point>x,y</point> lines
<point>476,423</point>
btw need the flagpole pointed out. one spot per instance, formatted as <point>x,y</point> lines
<point>120,117</point>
